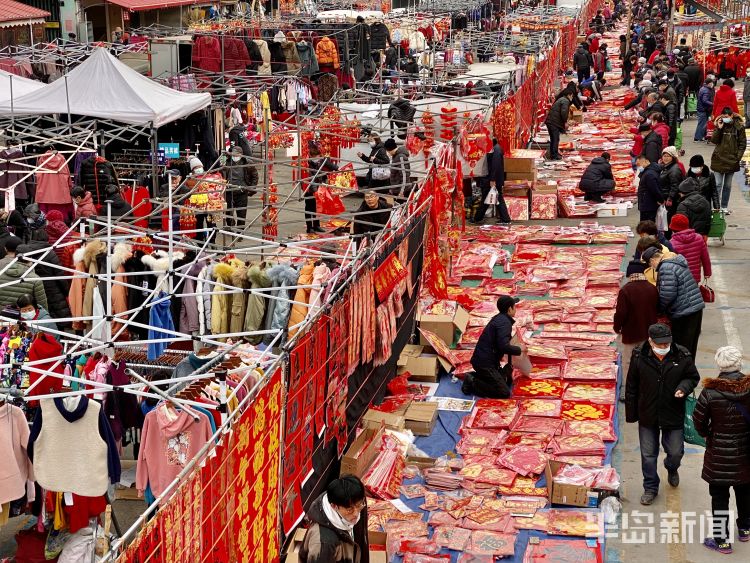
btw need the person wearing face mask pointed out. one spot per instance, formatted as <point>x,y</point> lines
<point>649,193</point>
<point>661,374</point>
<point>706,180</point>
<point>379,174</point>
<point>680,297</point>
<point>30,312</point>
<point>731,141</point>
<point>242,178</point>
<point>17,279</point>
<point>338,525</point>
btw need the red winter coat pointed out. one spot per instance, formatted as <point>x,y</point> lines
<point>138,198</point>
<point>45,346</point>
<point>207,53</point>
<point>637,142</point>
<point>725,97</point>
<point>692,246</point>
<point>663,130</point>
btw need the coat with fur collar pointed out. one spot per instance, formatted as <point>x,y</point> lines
<point>718,417</point>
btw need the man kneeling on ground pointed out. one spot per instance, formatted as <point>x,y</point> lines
<point>489,380</point>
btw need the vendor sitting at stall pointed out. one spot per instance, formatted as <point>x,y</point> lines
<point>489,379</point>
<point>597,179</point>
<point>372,215</point>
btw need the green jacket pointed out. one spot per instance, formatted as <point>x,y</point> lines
<point>31,284</point>
<point>730,142</point>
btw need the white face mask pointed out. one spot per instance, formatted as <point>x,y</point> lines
<point>28,315</point>
<point>726,119</point>
<point>373,144</point>
<point>639,168</point>
<point>696,170</point>
<point>662,351</point>
<point>236,158</point>
<point>198,170</point>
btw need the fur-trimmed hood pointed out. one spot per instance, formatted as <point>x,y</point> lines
<point>159,263</point>
<point>729,382</point>
<point>282,274</point>
<point>258,277</point>
<point>92,250</point>
<point>223,272</point>
<point>121,252</point>
<point>239,276</point>
<point>79,254</point>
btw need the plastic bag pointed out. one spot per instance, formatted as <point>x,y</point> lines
<point>381,173</point>
<point>661,218</point>
<point>691,434</point>
<point>492,196</point>
<point>610,508</point>
<point>327,203</point>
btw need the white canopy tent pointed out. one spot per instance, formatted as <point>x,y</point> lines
<point>15,86</point>
<point>104,87</point>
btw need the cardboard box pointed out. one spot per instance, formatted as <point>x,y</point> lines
<point>519,165</point>
<point>516,191</point>
<point>545,188</point>
<point>445,326</point>
<point>572,495</point>
<point>612,210</point>
<point>421,418</point>
<point>362,452</point>
<point>127,493</point>
<point>530,176</point>
<point>373,419</point>
<point>420,367</point>
<point>575,116</point>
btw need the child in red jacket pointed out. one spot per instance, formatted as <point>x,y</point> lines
<point>639,134</point>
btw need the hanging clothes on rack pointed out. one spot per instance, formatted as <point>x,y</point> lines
<point>53,184</point>
<point>14,174</point>
<point>15,468</point>
<point>160,317</point>
<point>72,447</point>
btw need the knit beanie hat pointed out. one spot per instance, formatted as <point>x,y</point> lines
<point>728,358</point>
<point>671,151</point>
<point>195,162</point>
<point>55,215</point>
<point>696,161</point>
<point>679,223</point>
<point>635,267</point>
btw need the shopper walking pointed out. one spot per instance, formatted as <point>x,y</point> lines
<point>379,174</point>
<point>637,302</point>
<point>746,97</point>
<point>401,183</point>
<point>722,416</point>
<point>338,531</point>
<point>582,63</point>
<point>704,108</point>
<point>706,180</point>
<point>725,97</point>
<point>318,168</point>
<point>687,242</point>
<point>693,206</point>
<point>649,192</point>
<point>597,179</point>
<point>679,296</point>
<point>495,179</point>
<point>731,141</point>
<point>671,115</point>
<point>557,118</point>
<point>242,181</point>
<point>489,380</point>
<point>662,373</point>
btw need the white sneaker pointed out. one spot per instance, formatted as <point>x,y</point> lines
<point>726,211</point>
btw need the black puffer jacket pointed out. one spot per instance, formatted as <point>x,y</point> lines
<point>717,418</point>
<point>698,211</point>
<point>57,291</point>
<point>582,59</point>
<point>679,294</point>
<point>558,113</point>
<point>379,36</point>
<point>707,185</point>
<point>401,113</point>
<point>93,175</point>
<point>651,385</point>
<point>324,543</point>
<point>652,146</point>
<point>670,178</point>
<point>597,178</point>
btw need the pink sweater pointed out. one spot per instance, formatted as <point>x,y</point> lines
<point>15,467</point>
<point>168,443</point>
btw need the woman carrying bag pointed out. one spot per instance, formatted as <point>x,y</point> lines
<point>379,175</point>
<point>722,416</point>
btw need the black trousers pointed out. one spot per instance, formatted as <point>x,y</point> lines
<point>311,219</point>
<point>237,202</point>
<point>502,209</point>
<point>554,141</point>
<point>490,383</point>
<point>720,508</point>
<point>648,216</point>
<point>687,330</point>
<point>583,74</point>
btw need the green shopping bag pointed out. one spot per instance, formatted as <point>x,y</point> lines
<point>678,139</point>
<point>691,434</point>
<point>718,225</point>
<point>692,103</point>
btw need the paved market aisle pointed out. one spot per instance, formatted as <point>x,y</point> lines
<point>724,322</point>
